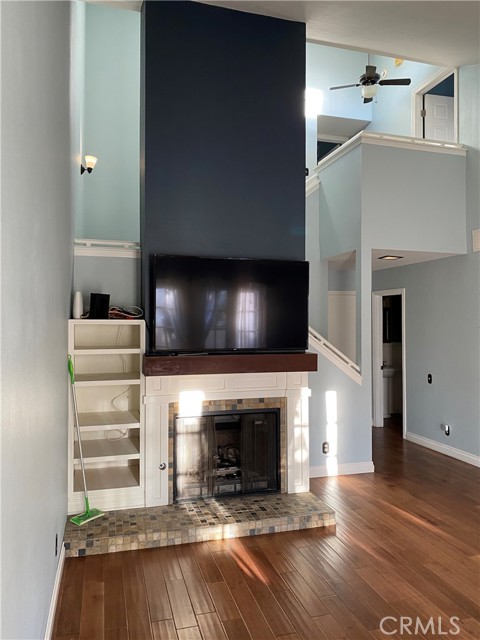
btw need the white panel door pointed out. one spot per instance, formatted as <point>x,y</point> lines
<point>439,118</point>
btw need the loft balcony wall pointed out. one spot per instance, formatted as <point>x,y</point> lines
<point>413,200</point>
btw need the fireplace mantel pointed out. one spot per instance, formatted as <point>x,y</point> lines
<point>228,363</point>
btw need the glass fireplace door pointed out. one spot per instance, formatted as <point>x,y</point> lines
<point>226,454</point>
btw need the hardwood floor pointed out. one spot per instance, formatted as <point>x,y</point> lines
<point>405,550</point>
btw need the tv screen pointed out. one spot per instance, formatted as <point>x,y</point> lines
<point>224,305</point>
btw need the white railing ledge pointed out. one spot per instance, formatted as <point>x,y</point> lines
<point>327,349</point>
<point>106,248</point>
<point>390,140</point>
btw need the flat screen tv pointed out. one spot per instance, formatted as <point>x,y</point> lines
<point>225,305</point>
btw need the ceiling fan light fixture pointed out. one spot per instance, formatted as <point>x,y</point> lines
<point>369,91</point>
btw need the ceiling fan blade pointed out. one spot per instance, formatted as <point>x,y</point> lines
<point>345,86</point>
<point>365,100</point>
<point>370,71</point>
<point>397,81</point>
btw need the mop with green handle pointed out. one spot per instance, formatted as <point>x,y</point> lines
<point>88,514</point>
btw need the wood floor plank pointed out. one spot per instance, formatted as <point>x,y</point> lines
<point>190,633</point>
<point>69,607</point>
<point>164,630</point>
<point>303,624</point>
<point>246,603</point>
<point>224,603</point>
<point>182,609</point>
<point>197,589</point>
<point>211,627</point>
<point>330,627</point>
<point>353,626</point>
<point>206,563</point>
<point>138,619</point>
<point>156,590</point>
<point>169,563</point>
<point>236,630</point>
<point>115,605</point>
<point>299,562</point>
<point>312,603</point>
<point>92,625</point>
<point>258,585</point>
<point>117,634</point>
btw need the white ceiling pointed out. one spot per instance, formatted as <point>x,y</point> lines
<point>444,33</point>
<point>346,261</point>
<point>441,33</point>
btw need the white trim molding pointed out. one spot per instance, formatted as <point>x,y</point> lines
<point>347,469</point>
<point>339,359</point>
<point>388,140</point>
<point>476,240</point>
<point>446,449</point>
<point>417,100</point>
<point>106,248</point>
<point>55,592</point>
<point>312,183</point>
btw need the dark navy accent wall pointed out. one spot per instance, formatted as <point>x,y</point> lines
<point>444,88</point>
<point>224,134</point>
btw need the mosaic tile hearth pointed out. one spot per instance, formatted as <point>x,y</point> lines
<point>197,521</point>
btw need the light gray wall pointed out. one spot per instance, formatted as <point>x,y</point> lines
<point>111,194</point>
<point>318,285</point>
<point>341,205</point>
<point>442,305</point>
<point>413,200</point>
<point>120,277</point>
<point>341,280</point>
<point>354,420</point>
<point>36,272</point>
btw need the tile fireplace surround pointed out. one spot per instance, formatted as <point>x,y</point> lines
<point>163,523</point>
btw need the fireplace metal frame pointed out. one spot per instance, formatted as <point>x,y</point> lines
<point>212,414</point>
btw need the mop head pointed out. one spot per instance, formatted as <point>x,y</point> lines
<point>87,515</point>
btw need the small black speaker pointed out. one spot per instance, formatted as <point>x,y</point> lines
<point>99,303</point>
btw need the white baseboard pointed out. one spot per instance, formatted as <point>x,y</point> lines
<point>469,458</point>
<point>56,590</point>
<point>348,469</point>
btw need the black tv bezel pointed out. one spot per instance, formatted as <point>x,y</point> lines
<point>151,351</point>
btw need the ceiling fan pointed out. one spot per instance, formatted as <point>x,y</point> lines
<point>370,80</point>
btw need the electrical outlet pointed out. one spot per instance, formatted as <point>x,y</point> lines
<point>325,447</point>
<point>56,544</point>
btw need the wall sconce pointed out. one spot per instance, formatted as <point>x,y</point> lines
<point>90,162</point>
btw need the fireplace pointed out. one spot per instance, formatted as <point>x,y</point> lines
<point>220,403</point>
<point>226,454</point>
